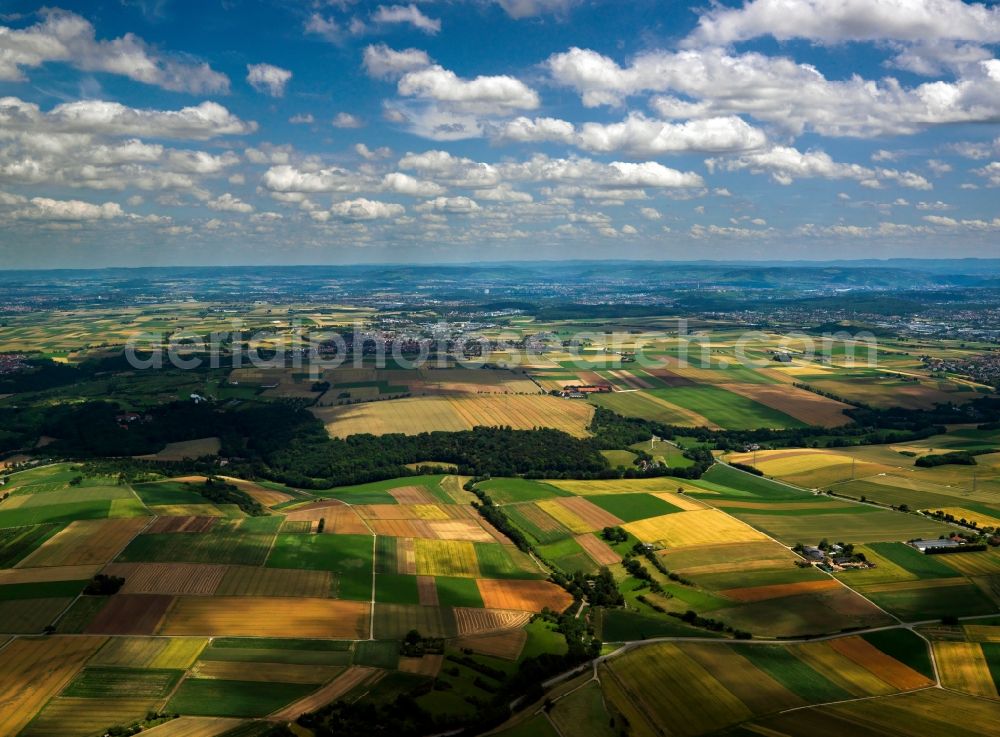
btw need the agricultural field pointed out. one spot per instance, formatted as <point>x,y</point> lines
<point>701,688</point>
<point>237,622</point>
<point>423,414</point>
<point>908,715</point>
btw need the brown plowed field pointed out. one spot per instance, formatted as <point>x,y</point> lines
<point>36,669</point>
<point>428,665</point>
<point>131,614</point>
<point>507,645</point>
<point>182,524</point>
<point>776,591</point>
<point>354,676</point>
<point>256,581</point>
<point>427,590</point>
<point>474,621</point>
<point>412,495</point>
<point>406,556</point>
<point>86,542</point>
<point>598,550</point>
<point>266,616</point>
<point>529,596</point>
<point>167,578</point>
<point>885,667</point>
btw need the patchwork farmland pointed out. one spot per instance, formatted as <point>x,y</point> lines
<point>246,610</point>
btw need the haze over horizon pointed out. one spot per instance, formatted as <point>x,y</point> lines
<point>273,132</point>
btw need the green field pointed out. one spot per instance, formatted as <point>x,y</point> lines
<point>378,492</point>
<point>225,543</point>
<point>556,532</point>
<point>377,653</point>
<point>41,590</point>
<point>568,556</point>
<point>108,683</point>
<point>793,673</point>
<point>630,507</point>
<point>919,604</point>
<point>637,404</point>
<point>385,554</point>
<point>912,560</point>
<point>454,591</point>
<point>18,542</point>
<point>507,490</point>
<point>724,477</point>
<point>905,646</point>
<point>726,409</point>
<point>221,698</point>
<point>168,492</point>
<point>505,561</point>
<point>349,557</point>
<point>878,525</point>
<point>619,625</point>
<point>397,588</point>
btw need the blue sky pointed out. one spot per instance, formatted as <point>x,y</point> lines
<point>151,132</point>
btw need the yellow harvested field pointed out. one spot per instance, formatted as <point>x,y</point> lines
<point>86,542</point>
<point>681,501</point>
<point>256,581</point>
<point>963,667</point>
<point>411,495</point>
<point>150,652</point>
<point>445,558</point>
<point>803,405</point>
<point>986,563</point>
<point>578,515</point>
<point>34,670</point>
<point>787,462</point>
<point>662,679</point>
<point>262,494</point>
<point>267,672</point>
<point>597,549</point>
<point>981,633</point>
<point>186,510</point>
<point>460,529</point>
<point>353,677</point>
<point>414,415</point>
<point>248,616</point>
<point>53,573</point>
<point>506,645</point>
<point>167,578</point>
<point>474,620</point>
<point>983,520</point>
<point>403,511</point>
<point>194,727</point>
<point>887,668</point>
<point>841,670</point>
<point>700,527</point>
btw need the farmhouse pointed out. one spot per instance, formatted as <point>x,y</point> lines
<point>579,392</point>
<point>924,545</point>
<point>813,553</point>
